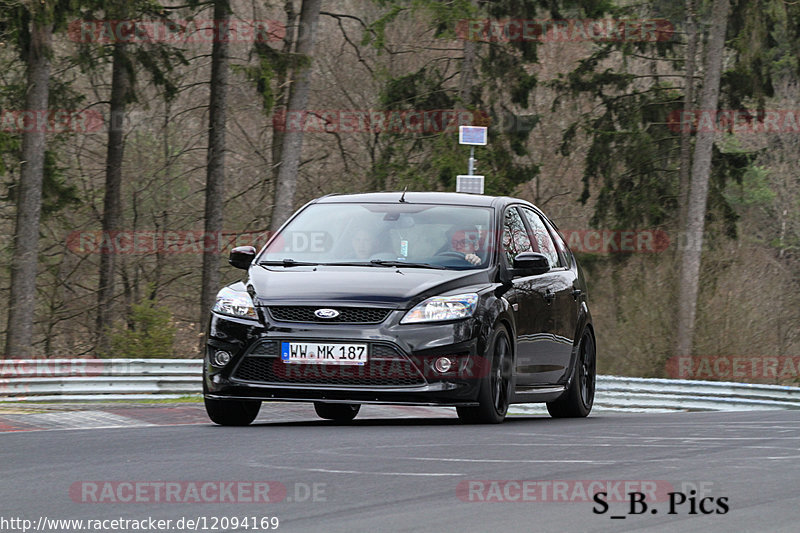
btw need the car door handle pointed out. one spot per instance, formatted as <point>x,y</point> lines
<point>549,297</point>
<point>576,293</point>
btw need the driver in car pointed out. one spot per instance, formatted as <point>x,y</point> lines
<point>467,241</point>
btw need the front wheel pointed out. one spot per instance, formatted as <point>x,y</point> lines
<point>232,412</point>
<point>338,412</point>
<point>494,390</point>
<point>577,401</point>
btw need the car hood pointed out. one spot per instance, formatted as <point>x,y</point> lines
<point>388,287</point>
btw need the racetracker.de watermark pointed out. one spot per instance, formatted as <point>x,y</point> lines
<point>50,121</point>
<point>175,31</point>
<point>597,241</point>
<point>19,368</point>
<point>734,367</point>
<point>565,31</point>
<point>380,371</point>
<point>164,242</point>
<point>735,121</point>
<point>559,490</point>
<point>376,121</point>
<point>184,491</point>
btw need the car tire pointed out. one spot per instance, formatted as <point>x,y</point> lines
<point>338,412</point>
<point>493,396</point>
<point>577,401</point>
<point>232,412</point>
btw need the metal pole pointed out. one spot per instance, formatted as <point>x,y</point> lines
<point>471,160</point>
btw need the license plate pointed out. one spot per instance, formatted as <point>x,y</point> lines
<point>323,353</point>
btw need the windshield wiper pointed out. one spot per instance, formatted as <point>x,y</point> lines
<point>351,264</point>
<point>371,263</point>
<point>383,262</point>
<point>287,263</point>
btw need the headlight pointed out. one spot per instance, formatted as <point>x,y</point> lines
<point>235,303</point>
<point>442,308</point>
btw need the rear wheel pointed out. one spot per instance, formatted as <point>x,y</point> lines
<point>578,400</point>
<point>232,412</point>
<point>338,412</point>
<point>494,391</point>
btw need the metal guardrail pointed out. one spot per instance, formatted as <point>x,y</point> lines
<point>98,379</point>
<point>134,379</point>
<point>676,394</point>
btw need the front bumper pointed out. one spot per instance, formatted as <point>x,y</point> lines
<point>399,369</point>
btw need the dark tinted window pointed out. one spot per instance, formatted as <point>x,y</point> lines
<point>515,237</point>
<point>563,250</point>
<point>540,236</point>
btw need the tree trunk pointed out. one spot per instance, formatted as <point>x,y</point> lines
<point>22,297</point>
<point>466,81</point>
<point>298,101</point>
<point>688,105</point>
<point>280,105</point>
<point>698,193</point>
<point>215,169</point>
<point>112,202</point>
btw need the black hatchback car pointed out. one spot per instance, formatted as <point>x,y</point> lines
<point>444,299</point>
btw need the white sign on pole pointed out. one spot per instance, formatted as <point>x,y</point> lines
<point>473,135</point>
<point>470,184</point>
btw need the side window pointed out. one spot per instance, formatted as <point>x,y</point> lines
<point>515,237</point>
<point>563,250</point>
<point>542,242</point>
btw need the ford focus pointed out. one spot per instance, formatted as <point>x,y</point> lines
<point>443,299</point>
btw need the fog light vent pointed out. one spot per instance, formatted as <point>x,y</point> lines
<point>222,358</point>
<point>443,364</point>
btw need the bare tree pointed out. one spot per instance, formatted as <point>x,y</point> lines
<point>22,297</point>
<point>215,169</point>
<point>698,193</point>
<point>283,96</point>
<point>298,101</point>
<point>112,201</point>
<point>466,81</point>
<point>688,104</point>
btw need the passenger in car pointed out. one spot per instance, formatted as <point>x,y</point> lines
<point>364,244</point>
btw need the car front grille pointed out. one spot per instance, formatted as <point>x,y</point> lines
<point>386,367</point>
<point>347,315</point>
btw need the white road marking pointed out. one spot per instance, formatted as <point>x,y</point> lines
<point>77,420</point>
<point>459,460</point>
<point>647,437</point>
<point>331,471</point>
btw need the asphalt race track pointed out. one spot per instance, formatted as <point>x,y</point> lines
<point>399,469</point>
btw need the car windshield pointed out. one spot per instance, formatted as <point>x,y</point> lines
<point>420,235</point>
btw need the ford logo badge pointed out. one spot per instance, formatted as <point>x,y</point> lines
<point>326,313</point>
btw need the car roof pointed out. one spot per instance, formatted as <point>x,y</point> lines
<point>439,198</point>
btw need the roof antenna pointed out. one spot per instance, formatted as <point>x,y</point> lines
<point>403,196</point>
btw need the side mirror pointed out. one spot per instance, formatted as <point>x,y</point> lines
<point>242,256</point>
<point>531,264</point>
